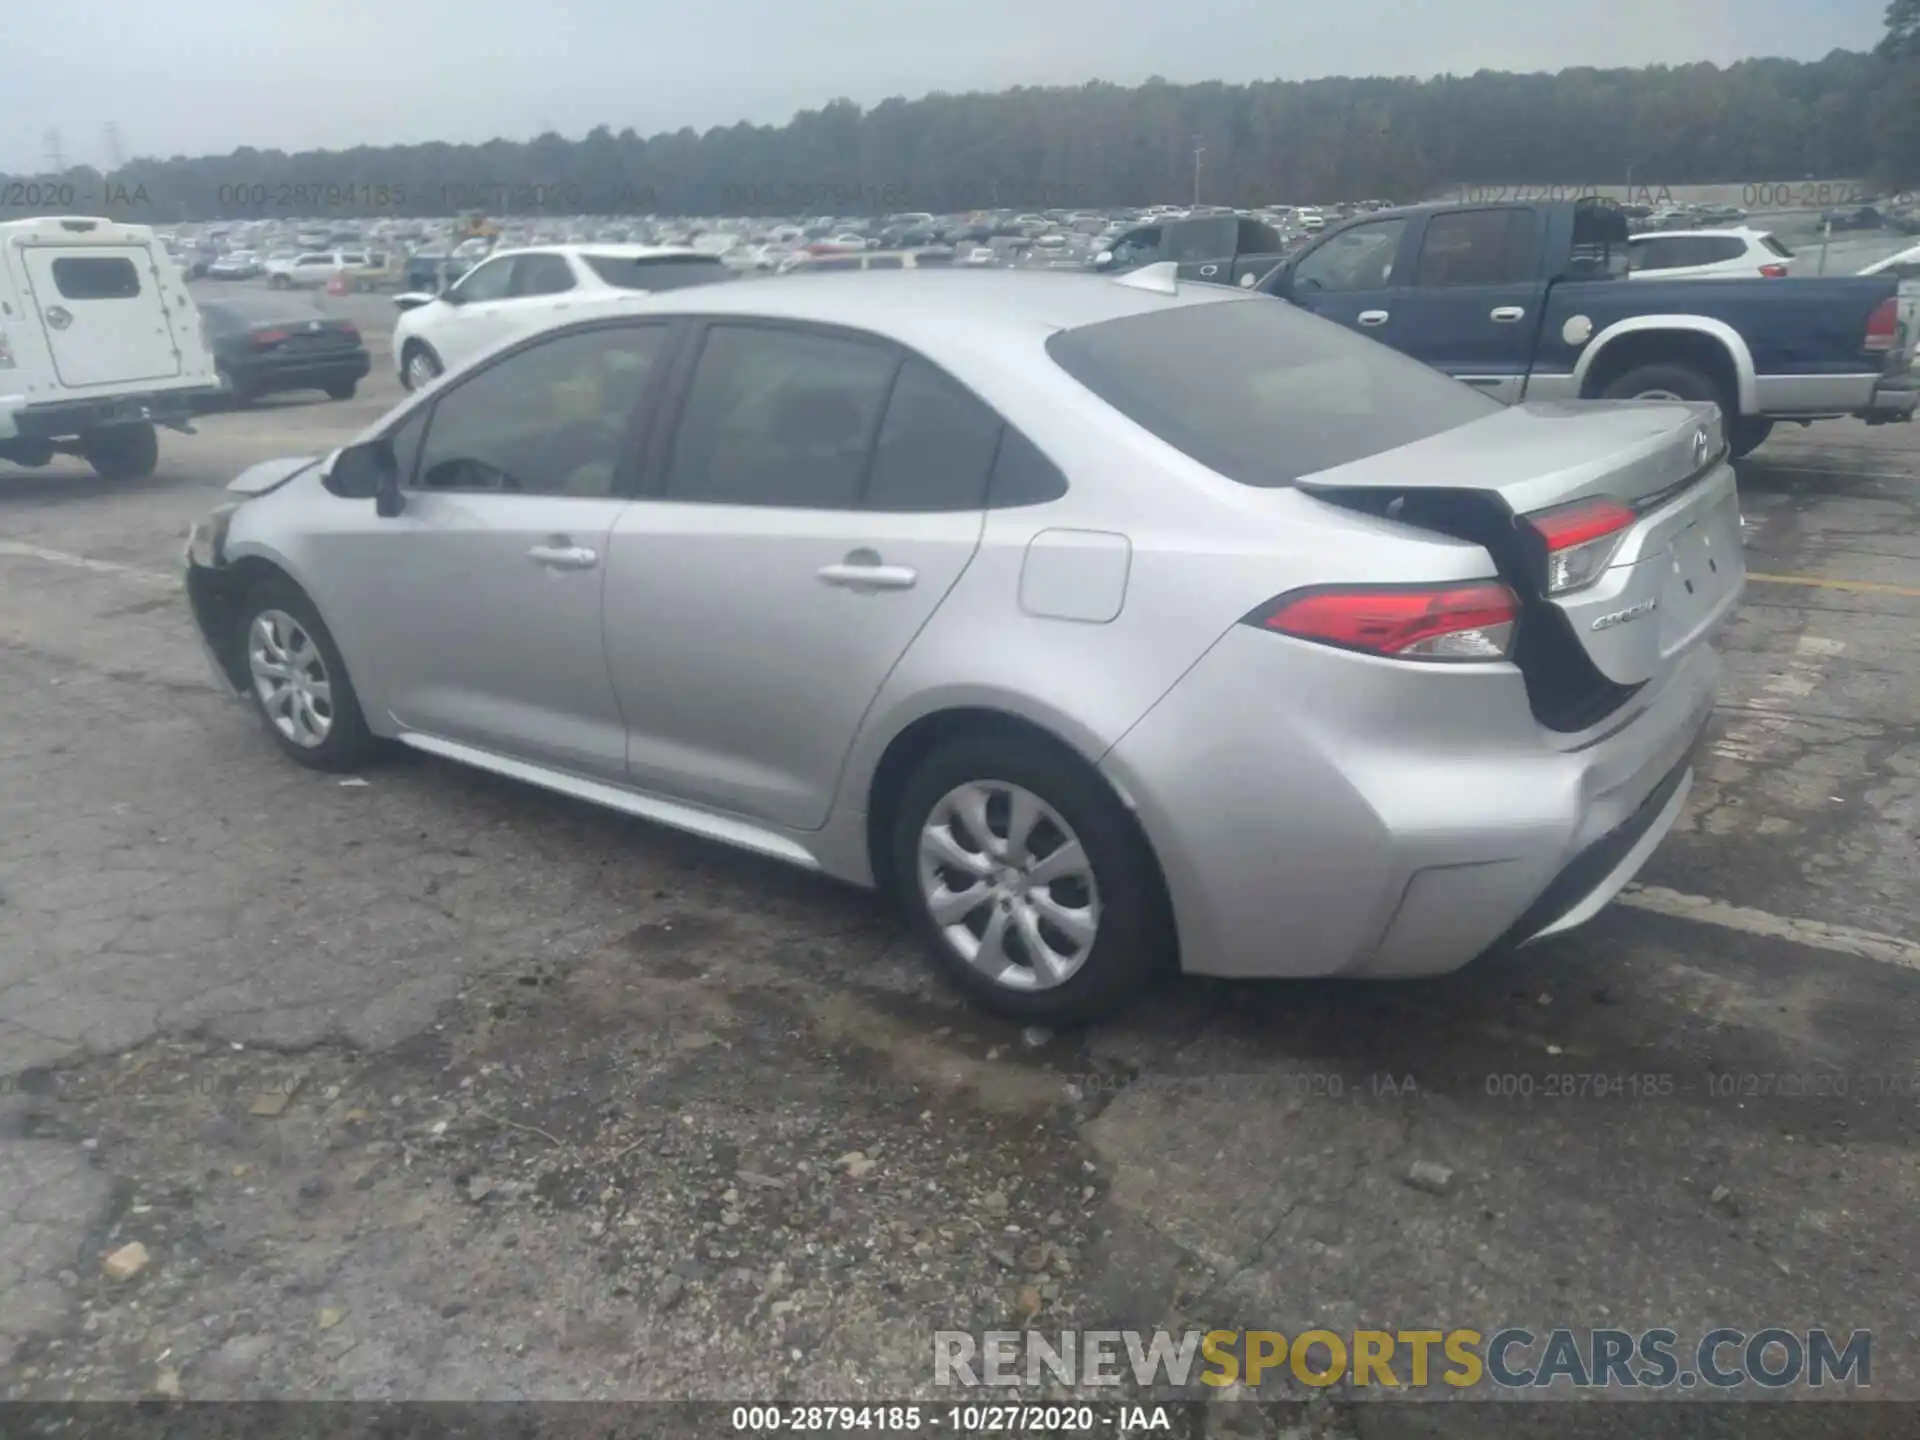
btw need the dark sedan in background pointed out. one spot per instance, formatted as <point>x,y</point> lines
<point>266,346</point>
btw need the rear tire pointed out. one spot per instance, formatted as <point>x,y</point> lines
<point>279,282</point>
<point>1747,434</point>
<point>342,391</point>
<point>1665,380</point>
<point>286,647</point>
<point>1098,910</point>
<point>122,452</point>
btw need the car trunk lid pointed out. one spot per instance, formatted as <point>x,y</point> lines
<point>1675,565</point>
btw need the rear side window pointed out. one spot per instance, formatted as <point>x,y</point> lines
<point>1477,247</point>
<point>1261,391</point>
<point>885,262</point>
<point>1022,475</point>
<point>936,445</point>
<point>779,417</point>
<point>663,273</point>
<point>95,277</point>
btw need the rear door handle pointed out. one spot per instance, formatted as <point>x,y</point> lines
<point>564,557</point>
<point>1507,314</point>
<point>868,577</point>
<point>1370,318</point>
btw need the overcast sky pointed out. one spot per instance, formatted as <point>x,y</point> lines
<point>206,76</point>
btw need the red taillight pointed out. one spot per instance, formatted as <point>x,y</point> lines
<point>1464,622</point>
<point>1580,539</point>
<point>1774,272</point>
<point>270,337</point>
<point>1882,326</point>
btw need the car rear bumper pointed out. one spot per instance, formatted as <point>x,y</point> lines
<point>1321,813</point>
<point>303,372</point>
<point>1894,399</point>
<point>66,419</point>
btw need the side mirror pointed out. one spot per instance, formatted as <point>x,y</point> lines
<point>1103,261</point>
<point>368,471</point>
<point>413,300</point>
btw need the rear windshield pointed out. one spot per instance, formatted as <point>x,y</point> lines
<point>1260,391</point>
<point>664,272</point>
<point>96,277</point>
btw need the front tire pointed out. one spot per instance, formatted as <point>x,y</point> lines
<point>419,366</point>
<point>123,452</point>
<point>297,680</point>
<point>1027,879</point>
<point>342,391</point>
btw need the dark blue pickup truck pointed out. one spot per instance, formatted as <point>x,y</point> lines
<point>1530,302</point>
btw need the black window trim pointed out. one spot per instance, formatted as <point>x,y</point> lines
<point>634,454</point>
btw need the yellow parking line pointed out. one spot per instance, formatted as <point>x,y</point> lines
<point>1864,587</point>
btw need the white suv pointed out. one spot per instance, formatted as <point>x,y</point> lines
<point>1732,254</point>
<point>512,289</point>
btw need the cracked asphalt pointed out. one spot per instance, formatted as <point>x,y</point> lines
<point>439,1087</point>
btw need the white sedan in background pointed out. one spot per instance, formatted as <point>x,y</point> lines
<point>514,289</point>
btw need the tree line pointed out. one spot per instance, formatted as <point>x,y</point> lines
<point>1850,115</point>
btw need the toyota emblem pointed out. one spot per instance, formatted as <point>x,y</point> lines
<point>315,325</point>
<point>1700,448</point>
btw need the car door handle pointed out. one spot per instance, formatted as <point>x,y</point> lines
<point>1507,314</point>
<point>564,557</point>
<point>1373,317</point>
<point>853,576</point>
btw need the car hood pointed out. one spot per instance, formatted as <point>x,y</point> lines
<point>270,474</point>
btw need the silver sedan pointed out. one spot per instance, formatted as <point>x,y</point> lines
<point>1109,625</point>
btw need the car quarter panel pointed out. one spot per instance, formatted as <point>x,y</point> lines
<point>1299,798</point>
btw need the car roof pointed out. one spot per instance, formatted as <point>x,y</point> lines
<point>940,311</point>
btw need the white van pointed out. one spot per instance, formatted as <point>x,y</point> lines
<point>99,342</point>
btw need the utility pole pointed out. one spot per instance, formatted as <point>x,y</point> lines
<point>1198,151</point>
<point>56,157</point>
<point>116,157</point>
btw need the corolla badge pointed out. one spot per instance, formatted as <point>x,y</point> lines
<point>1632,612</point>
<point>1701,447</point>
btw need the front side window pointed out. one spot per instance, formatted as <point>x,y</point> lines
<point>779,417</point>
<point>554,419</point>
<point>491,281</point>
<point>1356,259</point>
<point>541,275</point>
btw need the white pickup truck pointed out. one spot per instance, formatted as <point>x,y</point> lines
<point>99,343</point>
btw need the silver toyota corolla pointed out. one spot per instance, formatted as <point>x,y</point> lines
<point>1105,623</point>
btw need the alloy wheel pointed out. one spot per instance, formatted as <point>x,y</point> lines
<point>290,677</point>
<point>420,370</point>
<point>1009,885</point>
